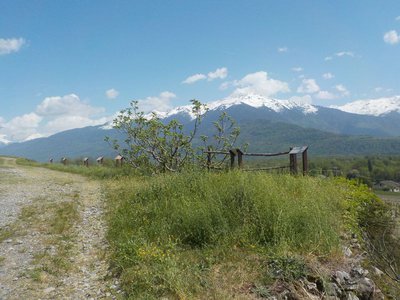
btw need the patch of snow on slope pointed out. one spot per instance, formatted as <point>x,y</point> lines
<point>374,107</point>
<point>253,100</point>
<point>258,101</point>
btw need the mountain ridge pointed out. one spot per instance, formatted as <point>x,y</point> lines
<point>373,107</point>
<point>263,121</point>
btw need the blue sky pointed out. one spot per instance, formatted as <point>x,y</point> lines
<point>67,64</point>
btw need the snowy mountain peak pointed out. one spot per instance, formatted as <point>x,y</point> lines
<point>374,107</point>
<point>252,100</point>
<point>258,101</point>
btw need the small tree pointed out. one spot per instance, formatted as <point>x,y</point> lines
<point>224,139</point>
<point>153,144</point>
<point>158,146</point>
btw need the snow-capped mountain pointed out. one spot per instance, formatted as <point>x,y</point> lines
<point>252,100</point>
<point>265,124</point>
<point>372,107</point>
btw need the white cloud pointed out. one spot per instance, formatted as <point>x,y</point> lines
<point>66,105</point>
<point>67,122</point>
<point>3,139</point>
<point>283,49</point>
<point>225,85</point>
<point>194,78</point>
<point>325,95</point>
<point>328,75</point>
<point>397,18</point>
<point>378,89</point>
<point>344,53</point>
<point>342,89</point>
<point>219,73</point>
<point>259,83</point>
<point>20,127</point>
<point>52,115</point>
<point>297,69</point>
<point>8,46</point>
<point>112,93</point>
<point>308,86</point>
<point>306,99</point>
<point>391,37</point>
<point>340,54</point>
<point>160,103</point>
<point>33,136</point>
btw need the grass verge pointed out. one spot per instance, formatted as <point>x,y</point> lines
<point>106,171</point>
<point>205,235</point>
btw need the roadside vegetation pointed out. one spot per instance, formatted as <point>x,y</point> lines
<point>215,235</point>
<point>177,231</point>
<point>105,171</point>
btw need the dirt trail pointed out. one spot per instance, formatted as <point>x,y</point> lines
<point>52,243</point>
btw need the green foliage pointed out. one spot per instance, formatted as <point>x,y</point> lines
<point>154,145</point>
<point>367,169</point>
<point>157,146</point>
<point>287,268</point>
<point>276,136</point>
<point>173,229</point>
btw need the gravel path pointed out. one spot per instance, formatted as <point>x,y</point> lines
<point>22,274</point>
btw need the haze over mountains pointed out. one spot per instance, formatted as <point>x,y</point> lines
<point>360,127</point>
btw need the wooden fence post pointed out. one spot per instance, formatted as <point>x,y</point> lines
<point>240,158</point>
<point>232,154</point>
<point>209,159</point>
<point>305,162</point>
<point>293,163</point>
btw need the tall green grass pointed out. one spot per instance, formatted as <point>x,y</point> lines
<point>202,209</point>
<point>172,229</point>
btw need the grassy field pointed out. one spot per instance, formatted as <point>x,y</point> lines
<point>227,235</point>
<point>214,235</point>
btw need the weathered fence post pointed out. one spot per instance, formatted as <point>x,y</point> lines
<point>293,163</point>
<point>240,158</point>
<point>100,160</point>
<point>209,159</point>
<point>232,154</point>
<point>293,160</point>
<point>305,162</point>
<point>119,160</point>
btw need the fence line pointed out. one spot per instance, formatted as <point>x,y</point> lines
<point>233,153</point>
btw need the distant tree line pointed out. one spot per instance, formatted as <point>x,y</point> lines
<point>368,169</point>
